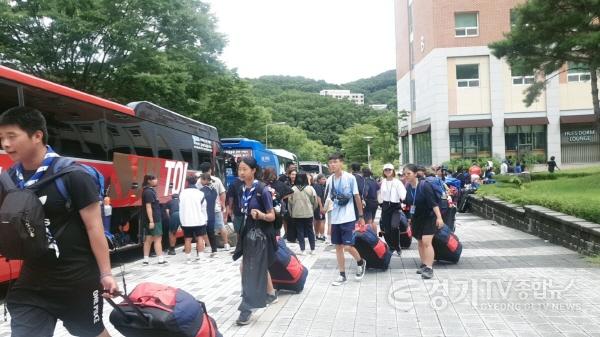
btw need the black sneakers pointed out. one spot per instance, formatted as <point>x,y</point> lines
<point>420,269</point>
<point>244,318</point>
<point>272,299</point>
<point>427,273</point>
<point>171,251</point>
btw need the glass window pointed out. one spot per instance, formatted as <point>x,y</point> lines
<point>578,72</point>
<point>522,77</point>
<point>539,137</point>
<point>456,141</point>
<point>422,148</point>
<point>405,150</point>
<point>466,24</point>
<point>75,128</point>
<point>467,75</point>
<point>9,96</point>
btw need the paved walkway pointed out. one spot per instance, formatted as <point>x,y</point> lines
<point>507,283</point>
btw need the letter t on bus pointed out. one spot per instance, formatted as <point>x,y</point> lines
<point>170,165</point>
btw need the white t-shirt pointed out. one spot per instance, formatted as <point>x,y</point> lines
<point>345,185</point>
<point>192,208</point>
<point>217,184</point>
<point>392,191</point>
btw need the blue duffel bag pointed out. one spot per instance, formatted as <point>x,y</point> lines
<point>446,245</point>
<point>372,249</point>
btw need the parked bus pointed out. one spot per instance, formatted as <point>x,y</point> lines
<point>314,167</point>
<point>123,142</point>
<point>238,148</point>
<point>284,158</point>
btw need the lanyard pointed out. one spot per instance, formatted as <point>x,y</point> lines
<point>413,193</point>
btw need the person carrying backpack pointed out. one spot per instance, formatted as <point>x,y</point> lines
<point>66,268</point>
<point>303,204</point>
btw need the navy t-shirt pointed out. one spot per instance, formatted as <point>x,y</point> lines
<point>264,203</point>
<point>233,195</point>
<point>149,197</point>
<point>210,195</point>
<point>173,206</point>
<point>426,200</point>
<point>371,189</point>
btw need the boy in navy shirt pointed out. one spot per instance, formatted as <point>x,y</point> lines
<point>210,195</point>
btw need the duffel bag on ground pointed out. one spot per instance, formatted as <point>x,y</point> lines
<point>287,272</point>
<point>156,310</point>
<point>446,245</point>
<point>372,249</point>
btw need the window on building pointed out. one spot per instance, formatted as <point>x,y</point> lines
<point>470,143</point>
<point>578,72</point>
<point>522,77</point>
<point>466,24</point>
<point>405,149</point>
<point>467,75</point>
<point>422,148</point>
<point>525,139</point>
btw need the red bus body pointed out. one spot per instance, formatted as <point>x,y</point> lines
<point>124,173</point>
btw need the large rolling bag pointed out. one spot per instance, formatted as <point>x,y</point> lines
<point>446,245</point>
<point>287,272</point>
<point>372,249</point>
<point>406,238</point>
<point>156,310</point>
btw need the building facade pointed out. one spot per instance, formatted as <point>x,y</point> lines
<point>358,99</point>
<point>463,102</point>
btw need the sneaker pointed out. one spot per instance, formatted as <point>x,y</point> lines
<point>360,270</point>
<point>172,251</point>
<point>399,253</point>
<point>312,252</point>
<point>145,263</point>
<point>227,247</point>
<point>272,299</point>
<point>339,281</point>
<point>152,254</point>
<point>420,270</point>
<point>162,262</point>
<point>427,273</point>
<point>244,318</point>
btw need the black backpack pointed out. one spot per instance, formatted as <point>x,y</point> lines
<point>23,232</point>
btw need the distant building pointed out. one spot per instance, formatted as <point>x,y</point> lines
<point>463,102</point>
<point>378,106</point>
<point>344,94</point>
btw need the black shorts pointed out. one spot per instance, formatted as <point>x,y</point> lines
<point>423,226</point>
<point>192,232</point>
<point>370,212</point>
<point>174,222</point>
<point>80,310</point>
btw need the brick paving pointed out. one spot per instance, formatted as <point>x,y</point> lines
<point>508,283</point>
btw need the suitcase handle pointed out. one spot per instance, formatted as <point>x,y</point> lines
<point>127,300</point>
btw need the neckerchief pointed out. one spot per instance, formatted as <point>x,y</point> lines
<point>48,159</point>
<point>247,195</point>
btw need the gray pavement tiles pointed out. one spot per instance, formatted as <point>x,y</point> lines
<point>508,283</point>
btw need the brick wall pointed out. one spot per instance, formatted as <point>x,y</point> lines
<point>559,228</point>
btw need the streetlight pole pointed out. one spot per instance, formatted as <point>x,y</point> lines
<point>267,131</point>
<point>368,139</point>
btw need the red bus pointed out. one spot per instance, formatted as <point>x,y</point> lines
<point>124,142</point>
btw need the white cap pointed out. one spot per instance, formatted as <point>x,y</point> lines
<point>388,166</point>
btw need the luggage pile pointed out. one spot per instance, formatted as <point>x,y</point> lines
<point>287,272</point>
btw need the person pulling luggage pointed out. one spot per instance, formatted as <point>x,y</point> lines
<point>425,217</point>
<point>392,193</point>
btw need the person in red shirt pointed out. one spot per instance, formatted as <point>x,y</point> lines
<point>475,169</point>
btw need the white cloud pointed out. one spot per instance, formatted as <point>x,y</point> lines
<point>335,40</point>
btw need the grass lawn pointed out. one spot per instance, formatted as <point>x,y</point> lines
<point>574,192</point>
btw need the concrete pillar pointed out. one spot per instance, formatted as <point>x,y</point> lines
<point>497,107</point>
<point>553,111</point>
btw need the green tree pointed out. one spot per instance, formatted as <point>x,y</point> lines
<point>354,143</point>
<point>547,34</point>
<point>296,140</point>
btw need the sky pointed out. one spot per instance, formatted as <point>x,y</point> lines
<point>333,40</point>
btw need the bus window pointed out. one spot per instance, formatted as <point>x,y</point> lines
<point>163,148</point>
<point>118,137</point>
<point>76,129</point>
<point>9,96</point>
<point>203,157</point>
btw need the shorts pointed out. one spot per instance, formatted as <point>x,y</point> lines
<point>423,226</point>
<point>192,232</point>
<point>343,234</point>
<point>80,310</point>
<point>174,222</point>
<point>318,215</point>
<point>219,224</point>
<point>370,212</point>
<point>157,231</point>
